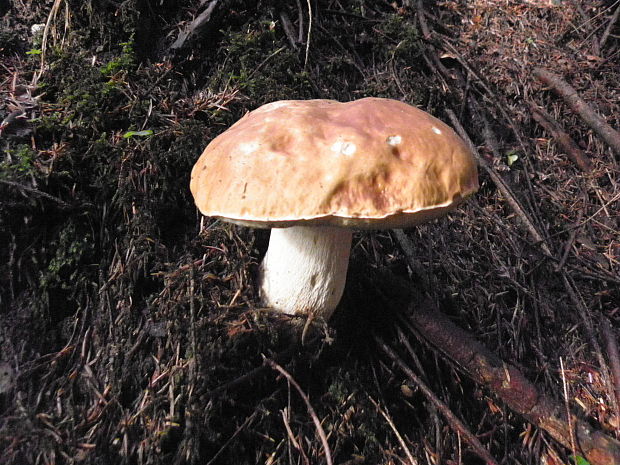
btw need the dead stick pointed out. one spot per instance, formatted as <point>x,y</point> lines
<point>587,316</point>
<point>35,191</point>
<point>287,25</point>
<point>613,355</point>
<point>422,19</point>
<point>573,152</point>
<point>610,26</point>
<point>198,23</point>
<point>499,182</point>
<point>455,423</point>
<point>512,387</point>
<point>392,426</point>
<point>317,423</point>
<point>579,106</point>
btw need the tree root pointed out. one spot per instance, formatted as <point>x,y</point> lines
<point>508,383</point>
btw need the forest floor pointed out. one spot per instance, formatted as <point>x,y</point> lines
<point>130,329</point>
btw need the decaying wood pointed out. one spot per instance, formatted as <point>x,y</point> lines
<point>579,106</point>
<point>572,150</point>
<point>508,383</point>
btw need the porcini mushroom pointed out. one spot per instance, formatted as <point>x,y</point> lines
<point>314,170</point>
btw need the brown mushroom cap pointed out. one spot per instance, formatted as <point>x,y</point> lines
<point>370,163</point>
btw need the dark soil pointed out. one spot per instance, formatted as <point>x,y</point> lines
<point>131,334</point>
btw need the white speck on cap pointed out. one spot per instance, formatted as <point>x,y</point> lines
<point>248,147</point>
<point>436,130</point>
<point>346,148</point>
<point>394,140</point>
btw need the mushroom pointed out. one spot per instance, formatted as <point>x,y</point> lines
<point>314,170</point>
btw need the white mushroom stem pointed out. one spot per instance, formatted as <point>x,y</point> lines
<point>305,269</point>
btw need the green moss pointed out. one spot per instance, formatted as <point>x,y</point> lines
<point>125,61</point>
<point>257,61</point>
<point>70,250</point>
<point>18,163</point>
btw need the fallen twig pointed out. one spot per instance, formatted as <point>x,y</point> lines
<point>422,19</point>
<point>408,249</point>
<point>586,317</point>
<point>199,22</point>
<point>240,428</point>
<point>579,106</point>
<point>571,427</point>
<point>287,25</point>
<point>613,355</point>
<point>610,26</point>
<point>573,152</point>
<point>313,415</point>
<point>308,35</point>
<point>244,379</point>
<point>512,387</point>
<point>569,243</point>
<point>35,191</point>
<point>392,426</point>
<point>50,18</point>
<point>502,186</point>
<point>451,418</point>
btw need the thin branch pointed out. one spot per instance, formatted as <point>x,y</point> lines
<point>244,379</point>
<point>300,20</point>
<point>35,191</point>
<point>422,19</point>
<point>587,318</point>
<point>48,24</point>
<point>313,415</point>
<point>455,423</point>
<point>241,427</point>
<point>579,106</point>
<point>392,426</point>
<point>192,330</point>
<point>571,428</point>
<point>502,186</point>
<point>309,35</point>
<point>291,436</point>
<point>192,29</point>
<point>572,150</point>
<point>613,354</point>
<point>287,25</point>
<point>610,26</point>
<point>407,247</point>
